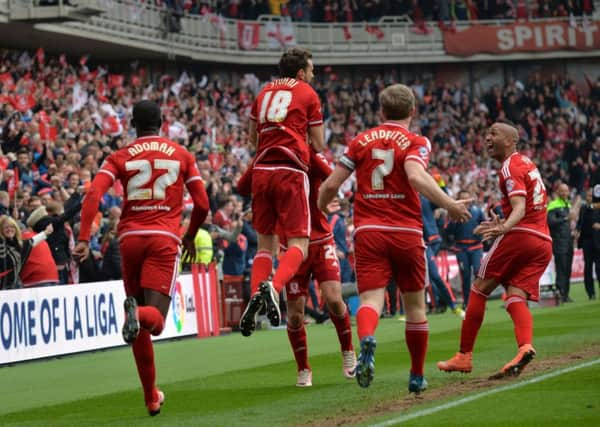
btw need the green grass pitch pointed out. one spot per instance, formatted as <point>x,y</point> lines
<point>237,381</point>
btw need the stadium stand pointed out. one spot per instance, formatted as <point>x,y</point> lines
<point>67,108</point>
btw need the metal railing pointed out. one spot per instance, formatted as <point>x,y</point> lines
<point>214,38</point>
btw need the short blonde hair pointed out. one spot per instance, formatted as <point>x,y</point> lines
<point>397,102</point>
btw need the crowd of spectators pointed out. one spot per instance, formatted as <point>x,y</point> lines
<point>372,10</point>
<point>60,119</point>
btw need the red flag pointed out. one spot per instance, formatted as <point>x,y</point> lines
<point>347,33</point>
<point>376,31</point>
<point>40,56</point>
<point>115,80</point>
<point>47,132</point>
<point>22,102</point>
<point>7,81</point>
<point>248,35</point>
<point>135,81</point>
<point>43,130</point>
<point>111,125</point>
<point>13,183</point>
<point>43,117</point>
<point>49,94</point>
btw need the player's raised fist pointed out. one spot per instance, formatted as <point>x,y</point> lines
<point>81,251</point>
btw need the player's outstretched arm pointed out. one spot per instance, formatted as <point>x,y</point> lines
<point>426,185</point>
<point>489,230</point>
<point>89,208</point>
<point>517,213</point>
<point>200,210</point>
<point>252,135</point>
<point>330,187</point>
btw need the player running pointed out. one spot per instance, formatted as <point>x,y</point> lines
<point>153,171</point>
<point>390,164</point>
<point>520,254</point>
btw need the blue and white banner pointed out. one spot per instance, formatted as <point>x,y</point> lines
<point>55,320</point>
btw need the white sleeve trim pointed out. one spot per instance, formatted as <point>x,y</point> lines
<point>418,159</point>
<point>109,173</point>
<point>347,162</point>
<point>194,178</point>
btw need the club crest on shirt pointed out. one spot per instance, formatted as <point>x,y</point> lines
<point>294,288</point>
<point>510,184</point>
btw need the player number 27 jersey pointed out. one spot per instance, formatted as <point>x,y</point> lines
<point>153,171</point>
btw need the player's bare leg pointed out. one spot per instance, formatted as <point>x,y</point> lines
<point>297,336</point>
<point>516,306</point>
<point>261,270</point>
<point>152,308</point>
<point>416,333</point>
<point>338,313</point>
<point>367,318</point>
<point>462,361</point>
<point>289,264</point>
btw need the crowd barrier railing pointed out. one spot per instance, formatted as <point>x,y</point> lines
<point>58,320</point>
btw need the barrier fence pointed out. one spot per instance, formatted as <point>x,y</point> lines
<point>58,320</point>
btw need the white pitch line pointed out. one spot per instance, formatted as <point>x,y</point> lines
<point>468,399</point>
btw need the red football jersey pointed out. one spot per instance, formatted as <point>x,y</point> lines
<point>520,177</point>
<point>283,111</point>
<point>384,199</point>
<point>153,171</point>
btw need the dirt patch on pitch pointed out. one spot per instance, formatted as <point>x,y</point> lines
<point>465,385</point>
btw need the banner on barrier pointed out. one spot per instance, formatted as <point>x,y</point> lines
<point>449,270</point>
<point>56,320</point>
<point>522,37</point>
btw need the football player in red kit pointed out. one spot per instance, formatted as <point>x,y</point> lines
<point>322,265</point>
<point>153,171</point>
<point>285,121</point>
<point>391,166</point>
<point>521,252</point>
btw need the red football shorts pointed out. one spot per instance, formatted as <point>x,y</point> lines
<point>321,264</point>
<point>149,262</point>
<point>280,196</point>
<point>518,259</point>
<point>383,255</point>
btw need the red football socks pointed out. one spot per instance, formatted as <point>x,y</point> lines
<point>367,319</point>
<point>262,266</point>
<point>417,335</point>
<point>297,339</point>
<point>521,317</point>
<point>144,360</point>
<point>473,320</point>
<point>151,319</point>
<point>288,266</point>
<point>343,329</point>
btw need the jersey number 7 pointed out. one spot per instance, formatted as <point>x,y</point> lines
<point>383,169</point>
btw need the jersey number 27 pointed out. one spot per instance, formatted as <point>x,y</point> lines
<point>143,176</point>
